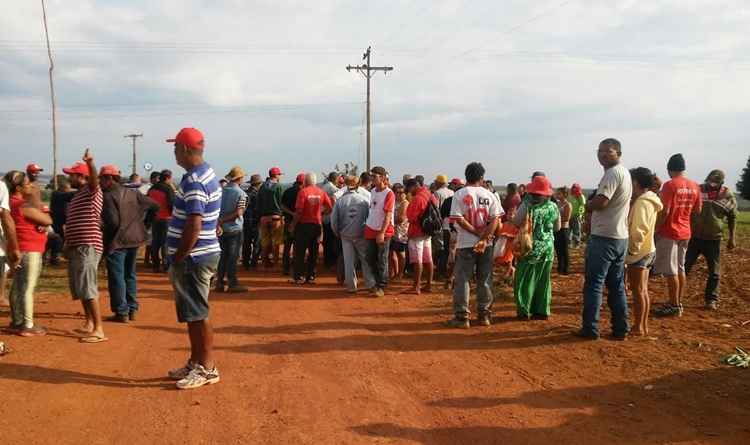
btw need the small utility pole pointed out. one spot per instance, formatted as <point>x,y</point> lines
<point>366,70</point>
<point>52,96</point>
<point>134,137</point>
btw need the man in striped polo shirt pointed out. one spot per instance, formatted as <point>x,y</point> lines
<point>83,244</point>
<point>193,252</point>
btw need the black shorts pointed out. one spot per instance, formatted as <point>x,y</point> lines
<point>397,246</point>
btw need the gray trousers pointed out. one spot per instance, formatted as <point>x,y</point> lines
<point>467,262</point>
<point>355,251</point>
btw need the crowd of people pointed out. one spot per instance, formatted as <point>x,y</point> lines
<point>372,231</point>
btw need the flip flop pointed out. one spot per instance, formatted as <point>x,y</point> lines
<point>92,339</point>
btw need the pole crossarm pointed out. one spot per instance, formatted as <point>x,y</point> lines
<point>367,71</point>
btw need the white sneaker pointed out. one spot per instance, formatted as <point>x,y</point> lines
<point>181,373</point>
<point>198,377</point>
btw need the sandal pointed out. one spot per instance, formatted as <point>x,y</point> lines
<point>93,339</point>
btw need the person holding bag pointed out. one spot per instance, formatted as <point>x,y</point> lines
<point>538,220</point>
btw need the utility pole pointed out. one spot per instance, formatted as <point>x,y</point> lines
<point>52,96</point>
<point>134,137</point>
<point>367,71</point>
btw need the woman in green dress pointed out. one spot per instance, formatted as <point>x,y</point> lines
<point>533,281</point>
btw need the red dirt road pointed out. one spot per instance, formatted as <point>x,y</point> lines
<point>312,365</point>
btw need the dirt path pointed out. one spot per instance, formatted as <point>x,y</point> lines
<point>313,365</point>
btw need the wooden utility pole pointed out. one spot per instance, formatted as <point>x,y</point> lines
<point>52,96</point>
<point>367,71</point>
<point>134,137</point>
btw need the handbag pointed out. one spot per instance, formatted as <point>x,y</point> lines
<point>524,242</point>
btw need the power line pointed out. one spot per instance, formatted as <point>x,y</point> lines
<point>518,26</point>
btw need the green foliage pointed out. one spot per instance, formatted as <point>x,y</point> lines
<point>743,186</point>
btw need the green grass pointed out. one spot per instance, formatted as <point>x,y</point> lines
<point>743,226</point>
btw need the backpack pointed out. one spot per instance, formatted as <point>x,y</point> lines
<point>431,221</point>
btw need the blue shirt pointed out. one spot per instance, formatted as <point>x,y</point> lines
<point>232,198</point>
<point>199,193</point>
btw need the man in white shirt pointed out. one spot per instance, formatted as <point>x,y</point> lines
<point>476,213</point>
<point>379,229</point>
<point>9,253</point>
<point>607,245</point>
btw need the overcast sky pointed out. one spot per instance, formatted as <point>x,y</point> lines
<point>517,85</point>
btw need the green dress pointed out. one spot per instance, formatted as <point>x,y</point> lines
<point>533,282</point>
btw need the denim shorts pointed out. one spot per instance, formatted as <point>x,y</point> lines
<point>83,266</point>
<point>645,262</point>
<point>191,281</point>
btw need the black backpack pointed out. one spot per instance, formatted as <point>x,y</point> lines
<point>431,221</point>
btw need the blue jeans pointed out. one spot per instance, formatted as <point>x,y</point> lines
<point>605,265</point>
<point>230,243</point>
<point>121,281</point>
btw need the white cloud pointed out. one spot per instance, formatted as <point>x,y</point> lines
<point>663,76</point>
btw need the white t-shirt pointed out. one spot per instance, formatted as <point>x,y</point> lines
<point>477,205</point>
<point>442,194</point>
<point>377,208</point>
<point>612,222</point>
<point>5,206</point>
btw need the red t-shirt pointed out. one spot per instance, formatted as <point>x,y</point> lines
<point>29,238</point>
<point>160,197</point>
<point>310,203</point>
<point>416,209</point>
<point>680,197</point>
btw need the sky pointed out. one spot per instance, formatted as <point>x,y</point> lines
<point>517,85</point>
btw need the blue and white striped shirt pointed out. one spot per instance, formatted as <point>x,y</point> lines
<point>199,193</point>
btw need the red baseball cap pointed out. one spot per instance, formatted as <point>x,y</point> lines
<point>301,177</point>
<point>33,168</point>
<point>109,170</point>
<point>190,137</point>
<point>457,181</point>
<point>275,171</point>
<point>79,168</point>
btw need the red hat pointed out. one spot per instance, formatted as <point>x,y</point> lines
<point>540,185</point>
<point>109,170</point>
<point>33,168</point>
<point>457,181</point>
<point>190,137</point>
<point>79,168</point>
<point>300,177</point>
<point>275,171</point>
